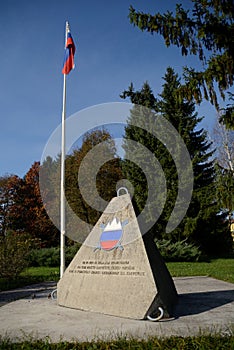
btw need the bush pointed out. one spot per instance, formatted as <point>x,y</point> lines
<point>71,252</point>
<point>14,250</point>
<point>44,257</point>
<point>50,257</point>
<point>178,251</point>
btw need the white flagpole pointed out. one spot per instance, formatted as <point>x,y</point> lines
<point>62,185</point>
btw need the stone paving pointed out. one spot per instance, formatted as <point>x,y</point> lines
<point>205,305</point>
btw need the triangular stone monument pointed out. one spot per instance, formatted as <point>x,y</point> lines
<point>115,272</point>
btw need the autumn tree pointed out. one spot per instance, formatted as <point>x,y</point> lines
<point>28,214</point>
<point>83,187</point>
<point>104,179</point>
<point>9,185</point>
<point>207,32</point>
<point>15,245</point>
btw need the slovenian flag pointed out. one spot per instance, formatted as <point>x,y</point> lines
<point>111,235</point>
<point>70,49</point>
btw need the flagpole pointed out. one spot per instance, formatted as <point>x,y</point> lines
<point>62,184</point>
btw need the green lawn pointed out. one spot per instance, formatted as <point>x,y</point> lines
<point>222,269</point>
<point>31,275</point>
<point>43,273</point>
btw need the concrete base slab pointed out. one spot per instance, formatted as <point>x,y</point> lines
<point>205,305</point>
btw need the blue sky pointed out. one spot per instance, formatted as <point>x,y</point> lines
<point>110,54</point>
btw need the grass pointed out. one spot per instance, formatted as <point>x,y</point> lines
<point>29,276</point>
<point>222,269</point>
<point>47,273</point>
<point>203,342</point>
<point>218,268</point>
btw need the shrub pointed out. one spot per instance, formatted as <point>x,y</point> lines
<point>178,251</point>
<point>14,250</point>
<point>44,257</point>
<point>50,257</point>
<point>71,252</point>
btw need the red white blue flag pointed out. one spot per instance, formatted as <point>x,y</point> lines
<point>111,235</point>
<point>70,49</point>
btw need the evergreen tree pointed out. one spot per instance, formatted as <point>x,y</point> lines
<point>202,224</point>
<point>207,32</point>
<point>138,166</point>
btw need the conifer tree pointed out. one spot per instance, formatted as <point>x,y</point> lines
<point>206,30</point>
<point>202,224</point>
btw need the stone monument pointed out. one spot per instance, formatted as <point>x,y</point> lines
<point>116,272</point>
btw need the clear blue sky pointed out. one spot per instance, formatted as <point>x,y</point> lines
<point>110,54</point>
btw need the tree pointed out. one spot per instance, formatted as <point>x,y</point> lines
<point>14,246</point>
<point>98,149</point>
<point>224,142</point>
<point>91,174</point>
<point>27,213</point>
<point>9,186</point>
<point>202,224</point>
<point>207,32</point>
<point>225,190</point>
<point>137,167</point>
<point>14,251</point>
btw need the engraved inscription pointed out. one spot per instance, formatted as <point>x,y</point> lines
<point>116,268</point>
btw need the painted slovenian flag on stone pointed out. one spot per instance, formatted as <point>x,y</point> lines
<point>111,235</point>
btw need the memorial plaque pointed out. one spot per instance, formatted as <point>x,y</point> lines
<point>111,272</point>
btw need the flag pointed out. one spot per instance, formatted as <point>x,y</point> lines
<point>70,49</point>
<point>111,235</point>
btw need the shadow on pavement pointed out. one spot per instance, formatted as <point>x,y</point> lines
<point>196,303</point>
<point>27,291</point>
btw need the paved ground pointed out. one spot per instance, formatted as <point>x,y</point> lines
<point>205,305</point>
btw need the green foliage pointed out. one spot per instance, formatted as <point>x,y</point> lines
<point>70,252</point>
<point>227,115</point>
<point>14,250</point>
<point>178,251</point>
<point>106,176</point>
<point>202,225</point>
<point>201,342</point>
<point>206,32</point>
<point>102,168</point>
<point>50,257</point>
